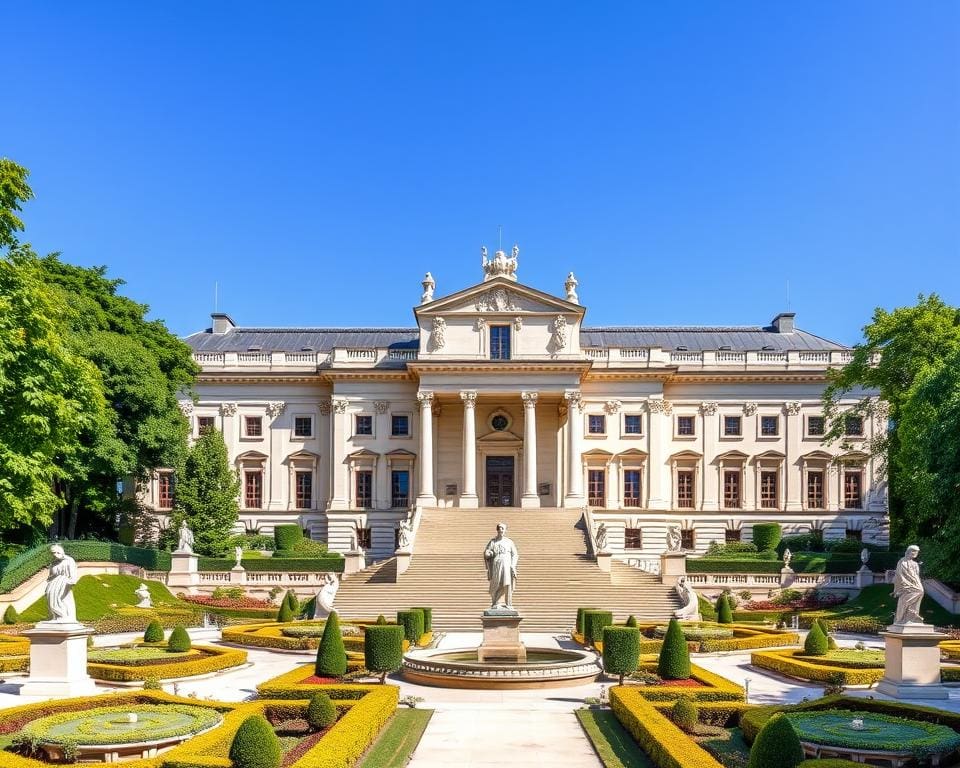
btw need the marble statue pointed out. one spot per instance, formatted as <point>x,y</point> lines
<point>238,556</point>
<point>864,556</point>
<point>601,537</point>
<point>500,265</point>
<point>186,539</point>
<point>570,286</point>
<point>908,588</point>
<point>144,594</point>
<point>63,575</point>
<point>501,557</point>
<point>404,533</point>
<point>787,557</point>
<point>690,611</point>
<point>673,538</point>
<point>323,606</point>
<point>429,284</point>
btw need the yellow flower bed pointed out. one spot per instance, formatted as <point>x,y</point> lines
<point>745,638</point>
<point>12,645</point>
<point>212,659</point>
<point>665,744</point>
<point>949,648</point>
<point>291,685</point>
<point>271,636</point>
<point>719,713</point>
<point>784,662</point>
<point>714,687</point>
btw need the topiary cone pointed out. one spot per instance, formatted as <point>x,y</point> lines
<point>291,599</point>
<point>10,616</point>
<point>724,612</point>
<point>255,745</point>
<point>674,661</point>
<point>154,632</point>
<point>284,615</point>
<point>816,643</point>
<point>331,655</point>
<point>179,641</point>
<point>776,745</point>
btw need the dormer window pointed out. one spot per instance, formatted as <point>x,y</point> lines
<point>499,342</point>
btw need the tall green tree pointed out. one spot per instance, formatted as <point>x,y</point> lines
<point>14,191</point>
<point>205,494</point>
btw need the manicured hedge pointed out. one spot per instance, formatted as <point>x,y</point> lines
<point>286,536</point>
<point>621,650</point>
<point>766,536</point>
<point>11,645</point>
<point>291,685</point>
<point>674,661</point>
<point>804,562</point>
<point>427,617</point>
<point>270,635</point>
<point>213,659</point>
<point>412,622</point>
<point>593,624</point>
<point>331,562</point>
<point>786,663</point>
<point>383,648</point>
<point>717,565</point>
<point>331,654</point>
<point>712,687</point>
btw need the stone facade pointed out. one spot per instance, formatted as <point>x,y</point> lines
<point>501,396</point>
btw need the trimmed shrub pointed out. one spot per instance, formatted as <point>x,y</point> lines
<point>321,713</point>
<point>580,627</point>
<point>766,536</point>
<point>291,599</point>
<point>674,661</point>
<point>816,643</point>
<point>255,745</point>
<point>154,632</point>
<point>383,648</point>
<point>331,655</point>
<point>776,746</point>
<point>286,536</point>
<point>621,650</point>
<point>179,641</point>
<point>684,714</point>
<point>152,684</point>
<point>381,619</point>
<point>285,615</point>
<point>10,616</point>
<point>593,624</point>
<point>427,618</point>
<point>724,611</point>
<point>631,621</point>
<point>412,623</point>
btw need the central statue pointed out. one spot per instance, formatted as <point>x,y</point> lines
<point>501,557</point>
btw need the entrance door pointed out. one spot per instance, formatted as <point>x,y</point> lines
<point>499,481</point>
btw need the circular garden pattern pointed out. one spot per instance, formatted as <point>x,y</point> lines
<point>834,728</point>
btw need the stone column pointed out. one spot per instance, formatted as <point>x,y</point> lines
<point>574,497</point>
<point>427,497</point>
<point>274,484</point>
<point>659,485</point>
<point>793,472</point>
<point>709,499</point>
<point>468,497</point>
<point>338,472</point>
<point>530,498</point>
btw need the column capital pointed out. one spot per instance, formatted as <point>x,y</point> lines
<point>574,398</point>
<point>793,407</point>
<point>659,405</point>
<point>529,399</point>
<point>708,408</point>
<point>425,398</point>
<point>339,404</point>
<point>469,397</point>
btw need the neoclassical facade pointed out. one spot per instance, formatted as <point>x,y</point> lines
<point>501,396</point>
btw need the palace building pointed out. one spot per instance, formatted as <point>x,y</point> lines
<point>501,396</point>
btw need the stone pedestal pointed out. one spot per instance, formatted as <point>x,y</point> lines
<point>603,561</point>
<point>501,637</point>
<point>403,560</point>
<point>787,577</point>
<point>912,663</point>
<point>673,565</point>
<point>58,661</point>
<point>864,577</point>
<point>184,572</point>
<point>238,575</point>
<point>353,561</point>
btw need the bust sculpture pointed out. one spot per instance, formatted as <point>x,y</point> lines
<point>908,588</point>
<point>864,556</point>
<point>673,539</point>
<point>60,581</point>
<point>185,543</point>
<point>500,556</point>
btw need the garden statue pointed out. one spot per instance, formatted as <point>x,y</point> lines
<point>404,532</point>
<point>60,582</point>
<point>238,556</point>
<point>501,557</point>
<point>323,605</point>
<point>787,557</point>
<point>908,588</point>
<point>673,538</point>
<point>144,594</point>
<point>690,611</point>
<point>186,539</point>
<point>601,537</point>
<point>864,556</point>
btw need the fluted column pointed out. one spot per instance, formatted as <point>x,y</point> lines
<point>574,497</point>
<point>530,498</point>
<point>338,470</point>
<point>468,498</point>
<point>427,496</point>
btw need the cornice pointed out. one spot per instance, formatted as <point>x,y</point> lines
<point>494,367</point>
<point>258,378</point>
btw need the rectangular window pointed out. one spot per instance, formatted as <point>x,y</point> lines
<point>732,535</point>
<point>499,342</point>
<point>304,490</point>
<point>632,424</point>
<point>364,489</point>
<point>685,488</point>
<point>731,489</point>
<point>769,426</point>
<point>364,538</point>
<point>853,426</point>
<point>633,538</point>
<point>768,489</point>
<point>253,426</point>
<point>303,426</point>
<point>597,424</point>
<point>165,490</point>
<point>816,426</point>
<point>400,425</point>
<point>253,489</point>
<point>596,487</point>
<point>732,426</point>
<point>815,498</point>
<point>852,488</point>
<point>631,488</point>
<point>400,488</point>
<point>364,425</point>
<point>688,538</point>
<point>685,425</point>
<point>206,424</point>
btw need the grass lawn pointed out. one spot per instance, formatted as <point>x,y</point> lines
<point>615,747</point>
<point>728,748</point>
<point>877,602</point>
<point>396,743</point>
<point>98,596</point>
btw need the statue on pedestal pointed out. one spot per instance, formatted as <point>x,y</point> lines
<point>143,593</point>
<point>63,576</point>
<point>186,539</point>
<point>238,556</point>
<point>787,557</point>
<point>501,557</point>
<point>908,588</point>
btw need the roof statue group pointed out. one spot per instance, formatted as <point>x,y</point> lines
<point>500,265</point>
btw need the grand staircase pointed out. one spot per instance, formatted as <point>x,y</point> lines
<point>555,576</point>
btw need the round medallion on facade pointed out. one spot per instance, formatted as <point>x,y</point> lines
<point>499,421</point>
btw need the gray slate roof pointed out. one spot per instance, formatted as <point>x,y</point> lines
<point>740,338</point>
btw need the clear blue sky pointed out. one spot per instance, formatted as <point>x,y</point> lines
<point>686,160</point>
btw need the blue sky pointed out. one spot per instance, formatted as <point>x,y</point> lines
<point>686,160</point>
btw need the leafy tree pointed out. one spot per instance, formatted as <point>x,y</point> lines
<point>14,190</point>
<point>206,494</point>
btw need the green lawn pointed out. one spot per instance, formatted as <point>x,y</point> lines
<point>396,743</point>
<point>877,602</point>
<point>728,748</point>
<point>99,596</point>
<point>615,747</point>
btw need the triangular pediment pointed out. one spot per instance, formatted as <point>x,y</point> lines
<point>499,295</point>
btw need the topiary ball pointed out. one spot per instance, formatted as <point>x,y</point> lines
<point>684,713</point>
<point>776,746</point>
<point>724,612</point>
<point>674,660</point>
<point>816,643</point>
<point>255,745</point>
<point>179,641</point>
<point>10,616</point>
<point>331,655</point>
<point>321,713</point>
<point>154,632</point>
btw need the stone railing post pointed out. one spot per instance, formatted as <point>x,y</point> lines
<point>673,565</point>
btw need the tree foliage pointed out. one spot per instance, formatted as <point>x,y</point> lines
<point>14,191</point>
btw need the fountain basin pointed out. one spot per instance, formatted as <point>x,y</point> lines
<point>461,668</point>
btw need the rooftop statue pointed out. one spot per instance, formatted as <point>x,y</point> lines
<point>500,265</point>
